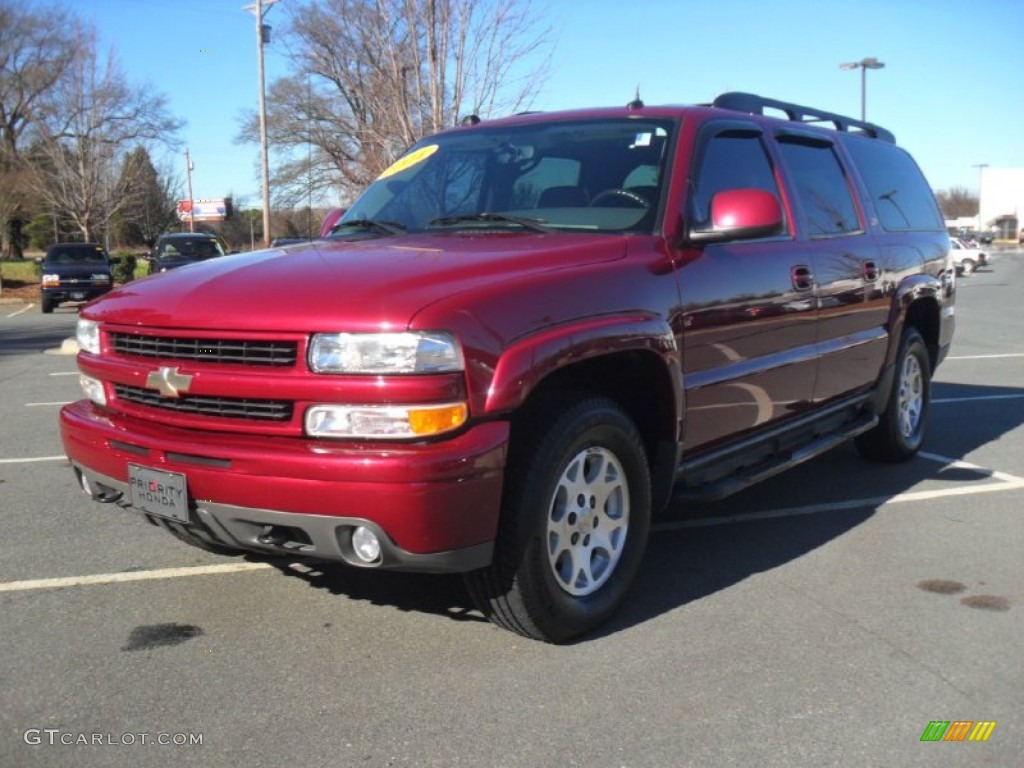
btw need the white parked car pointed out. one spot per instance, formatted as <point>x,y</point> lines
<point>966,258</point>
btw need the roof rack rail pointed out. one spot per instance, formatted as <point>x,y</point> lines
<point>754,104</point>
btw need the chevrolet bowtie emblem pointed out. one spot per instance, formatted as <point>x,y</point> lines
<point>169,381</point>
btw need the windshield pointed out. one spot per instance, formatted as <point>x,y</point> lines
<point>595,175</point>
<point>81,255</point>
<point>190,249</point>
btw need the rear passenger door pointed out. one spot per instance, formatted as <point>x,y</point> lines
<point>747,340</point>
<point>850,283</point>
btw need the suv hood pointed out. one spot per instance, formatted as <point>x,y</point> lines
<point>335,285</point>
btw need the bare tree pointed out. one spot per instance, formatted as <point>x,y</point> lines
<point>93,117</point>
<point>36,48</point>
<point>956,202</point>
<point>370,77</point>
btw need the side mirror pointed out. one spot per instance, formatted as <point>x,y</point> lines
<point>739,214</point>
<point>332,218</point>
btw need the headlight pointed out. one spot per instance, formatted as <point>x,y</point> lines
<point>101,279</point>
<point>93,389</point>
<point>384,421</point>
<point>51,280</point>
<point>408,352</point>
<point>88,335</point>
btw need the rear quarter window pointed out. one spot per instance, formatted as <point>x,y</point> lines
<point>899,193</point>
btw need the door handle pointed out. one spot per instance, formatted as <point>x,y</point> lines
<point>869,270</point>
<point>803,279</point>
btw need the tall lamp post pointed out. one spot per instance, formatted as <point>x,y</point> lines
<point>263,37</point>
<point>981,174</point>
<point>863,65</point>
<point>189,167</point>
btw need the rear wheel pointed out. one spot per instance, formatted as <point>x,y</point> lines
<point>574,524</point>
<point>968,266</point>
<point>902,426</point>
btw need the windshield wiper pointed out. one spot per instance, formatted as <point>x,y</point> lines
<point>391,227</point>
<point>522,221</point>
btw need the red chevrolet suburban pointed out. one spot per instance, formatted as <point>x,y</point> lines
<point>525,338</point>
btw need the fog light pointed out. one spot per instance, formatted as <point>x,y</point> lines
<point>366,544</point>
<point>93,389</point>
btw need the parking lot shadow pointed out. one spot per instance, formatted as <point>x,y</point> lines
<point>698,550</point>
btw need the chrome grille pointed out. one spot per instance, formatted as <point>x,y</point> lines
<point>232,351</point>
<point>223,407</point>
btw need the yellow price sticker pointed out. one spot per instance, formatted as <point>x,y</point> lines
<point>408,161</point>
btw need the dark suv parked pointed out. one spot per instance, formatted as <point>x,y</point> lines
<point>74,272</point>
<point>526,338</point>
<point>177,249</point>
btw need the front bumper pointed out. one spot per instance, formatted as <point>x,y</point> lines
<point>434,505</point>
<point>74,292</point>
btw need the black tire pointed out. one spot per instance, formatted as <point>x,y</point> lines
<point>47,305</point>
<point>902,426</point>
<point>968,267</point>
<point>563,562</point>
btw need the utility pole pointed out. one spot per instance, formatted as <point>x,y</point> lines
<point>263,37</point>
<point>189,167</point>
<point>981,175</point>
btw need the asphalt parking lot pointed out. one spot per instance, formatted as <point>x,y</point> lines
<point>825,617</point>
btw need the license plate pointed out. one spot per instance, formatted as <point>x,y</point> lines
<point>77,296</point>
<point>164,494</point>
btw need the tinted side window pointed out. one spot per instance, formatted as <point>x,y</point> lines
<point>898,190</point>
<point>732,160</point>
<point>821,186</point>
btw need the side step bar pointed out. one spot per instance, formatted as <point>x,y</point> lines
<point>746,477</point>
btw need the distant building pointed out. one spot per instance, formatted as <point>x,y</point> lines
<point>1001,201</point>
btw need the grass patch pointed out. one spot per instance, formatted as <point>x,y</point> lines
<point>19,271</point>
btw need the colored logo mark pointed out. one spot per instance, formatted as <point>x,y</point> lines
<point>958,730</point>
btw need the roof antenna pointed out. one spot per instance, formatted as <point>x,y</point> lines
<point>636,103</point>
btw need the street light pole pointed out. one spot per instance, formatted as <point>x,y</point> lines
<point>262,36</point>
<point>189,167</point>
<point>981,173</point>
<point>863,65</point>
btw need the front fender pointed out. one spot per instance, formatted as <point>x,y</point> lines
<point>529,360</point>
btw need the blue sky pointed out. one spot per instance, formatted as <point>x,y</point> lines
<point>952,90</point>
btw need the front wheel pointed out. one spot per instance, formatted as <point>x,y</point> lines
<point>574,523</point>
<point>900,431</point>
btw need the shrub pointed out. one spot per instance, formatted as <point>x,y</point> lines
<point>123,267</point>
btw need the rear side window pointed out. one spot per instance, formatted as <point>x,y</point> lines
<point>898,190</point>
<point>821,186</point>
<point>733,159</point>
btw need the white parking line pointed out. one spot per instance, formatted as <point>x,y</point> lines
<point>943,400</point>
<point>63,373</point>
<point>36,405</point>
<point>115,578</point>
<point>960,464</point>
<point>30,461</point>
<point>986,357</point>
<point>26,308</point>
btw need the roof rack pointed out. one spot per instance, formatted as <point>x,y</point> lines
<point>755,105</point>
